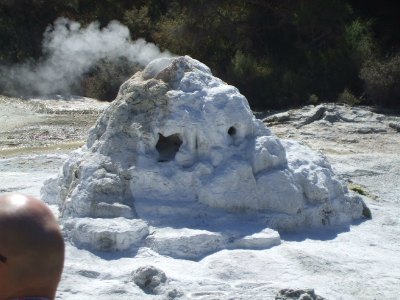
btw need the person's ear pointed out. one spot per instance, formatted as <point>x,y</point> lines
<point>2,270</point>
<point>3,259</point>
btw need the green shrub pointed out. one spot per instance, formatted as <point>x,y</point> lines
<point>313,99</point>
<point>346,97</point>
<point>254,78</point>
<point>382,81</point>
<point>104,79</point>
<point>277,53</point>
<point>359,41</point>
<point>138,22</point>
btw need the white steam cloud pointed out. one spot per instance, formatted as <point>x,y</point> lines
<point>70,50</point>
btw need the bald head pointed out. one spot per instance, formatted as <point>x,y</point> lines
<point>31,248</point>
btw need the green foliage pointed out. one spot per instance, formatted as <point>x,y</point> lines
<point>103,80</point>
<point>346,97</point>
<point>313,99</point>
<point>277,53</point>
<point>254,77</point>
<point>382,80</point>
<point>138,21</point>
<point>361,190</point>
<point>245,65</point>
<point>359,40</point>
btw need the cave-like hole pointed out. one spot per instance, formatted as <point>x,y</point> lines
<point>232,131</point>
<point>168,146</point>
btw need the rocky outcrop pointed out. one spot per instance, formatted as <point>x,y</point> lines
<point>363,119</point>
<point>149,278</point>
<point>180,144</point>
<point>116,234</point>
<point>313,115</point>
<point>395,126</point>
<point>297,294</point>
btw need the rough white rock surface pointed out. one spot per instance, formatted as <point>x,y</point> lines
<point>117,234</point>
<point>179,140</point>
<point>185,243</point>
<point>261,240</point>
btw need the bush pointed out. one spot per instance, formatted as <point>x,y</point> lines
<point>359,40</point>
<point>138,22</point>
<point>382,81</point>
<point>103,80</point>
<point>277,53</point>
<point>313,99</point>
<point>346,97</point>
<point>252,77</point>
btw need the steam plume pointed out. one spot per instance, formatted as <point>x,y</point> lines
<point>70,50</point>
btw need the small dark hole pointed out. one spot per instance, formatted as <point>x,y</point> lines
<point>147,282</point>
<point>168,146</point>
<point>232,131</point>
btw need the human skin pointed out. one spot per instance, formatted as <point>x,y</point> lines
<point>32,248</point>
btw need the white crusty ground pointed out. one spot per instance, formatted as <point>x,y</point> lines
<point>357,262</point>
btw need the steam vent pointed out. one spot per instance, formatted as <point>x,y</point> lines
<point>179,164</point>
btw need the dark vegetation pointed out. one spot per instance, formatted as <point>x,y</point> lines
<point>278,53</point>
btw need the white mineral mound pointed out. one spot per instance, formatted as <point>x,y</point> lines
<point>179,151</point>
